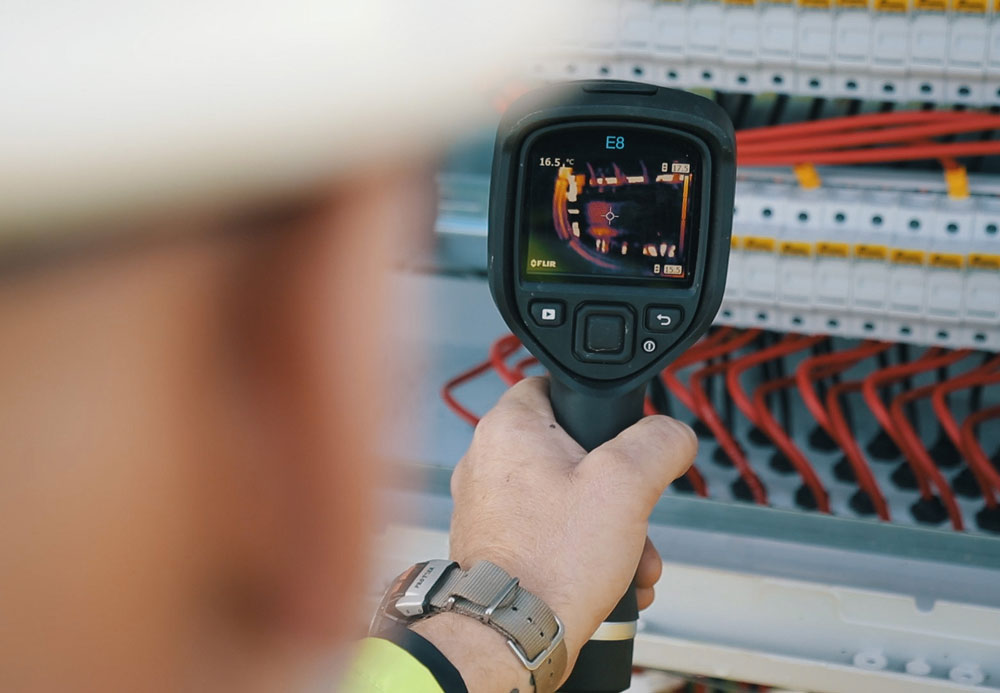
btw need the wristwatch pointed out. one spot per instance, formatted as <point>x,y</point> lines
<point>487,593</point>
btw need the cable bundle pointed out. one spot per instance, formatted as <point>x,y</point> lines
<point>714,379</point>
<point>868,138</point>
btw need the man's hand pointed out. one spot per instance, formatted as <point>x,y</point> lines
<point>571,525</point>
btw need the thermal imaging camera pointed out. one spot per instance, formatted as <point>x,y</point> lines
<point>611,208</point>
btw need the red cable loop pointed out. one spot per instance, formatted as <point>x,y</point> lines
<point>761,417</point>
<point>707,414</point>
<point>710,350</point>
<point>929,360</point>
<point>805,375</point>
<point>944,415</point>
<point>971,448</point>
<point>500,349</point>
<point>849,444</point>
<point>915,450</point>
<point>915,453</point>
<point>767,423</point>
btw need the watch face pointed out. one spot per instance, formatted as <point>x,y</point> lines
<point>607,203</point>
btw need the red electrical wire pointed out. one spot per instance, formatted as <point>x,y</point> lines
<point>708,345</point>
<point>806,374</point>
<point>522,365</point>
<point>762,418</point>
<point>947,419</point>
<point>767,423</point>
<point>914,448</point>
<point>930,360</point>
<point>916,454</point>
<point>710,348</point>
<point>972,123</point>
<point>875,155</point>
<point>840,124</point>
<point>504,347</point>
<point>706,412</point>
<point>499,351</point>
<point>841,432</point>
<point>971,448</point>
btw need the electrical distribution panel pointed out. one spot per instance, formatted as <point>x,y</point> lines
<point>840,529</point>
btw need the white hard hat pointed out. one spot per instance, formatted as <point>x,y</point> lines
<point>112,107</point>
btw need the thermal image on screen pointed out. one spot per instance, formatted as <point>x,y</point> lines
<point>609,212</point>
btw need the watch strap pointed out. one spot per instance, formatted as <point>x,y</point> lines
<point>489,594</point>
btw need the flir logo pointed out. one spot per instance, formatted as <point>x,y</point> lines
<point>614,142</point>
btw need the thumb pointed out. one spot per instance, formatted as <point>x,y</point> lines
<point>644,458</point>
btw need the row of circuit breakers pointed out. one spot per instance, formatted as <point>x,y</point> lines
<point>895,50</point>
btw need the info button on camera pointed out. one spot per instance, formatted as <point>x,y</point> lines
<point>547,313</point>
<point>663,318</point>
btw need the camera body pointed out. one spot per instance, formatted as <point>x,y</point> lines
<point>609,229</point>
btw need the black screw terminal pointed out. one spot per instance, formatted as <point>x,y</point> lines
<point>882,447</point>
<point>903,476</point>
<point>821,440</point>
<point>989,519</point>
<point>721,458</point>
<point>682,485</point>
<point>944,453</point>
<point>758,437</point>
<point>964,484</point>
<point>804,498</point>
<point>701,429</point>
<point>861,503</point>
<point>929,511</point>
<point>780,463</point>
<point>843,471</point>
<point>741,490</point>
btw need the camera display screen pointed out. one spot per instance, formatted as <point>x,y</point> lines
<point>611,204</point>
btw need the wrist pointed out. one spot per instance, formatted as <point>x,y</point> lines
<point>480,653</point>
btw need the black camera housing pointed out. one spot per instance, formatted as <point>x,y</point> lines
<point>627,305</point>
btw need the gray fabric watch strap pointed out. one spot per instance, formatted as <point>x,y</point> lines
<point>489,594</point>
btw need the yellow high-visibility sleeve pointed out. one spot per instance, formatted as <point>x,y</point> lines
<point>382,666</point>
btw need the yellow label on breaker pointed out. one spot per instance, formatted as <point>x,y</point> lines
<point>831,249</point>
<point>736,242</point>
<point>796,248</point>
<point>853,4</point>
<point>971,6</point>
<point>758,244</point>
<point>891,5</point>
<point>930,5</point>
<point>868,251</point>
<point>744,3</point>
<point>946,260</point>
<point>984,261</point>
<point>818,4</point>
<point>902,256</point>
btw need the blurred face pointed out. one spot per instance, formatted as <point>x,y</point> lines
<point>187,457</point>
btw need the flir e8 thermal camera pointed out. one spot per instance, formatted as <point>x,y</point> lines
<point>611,209</point>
